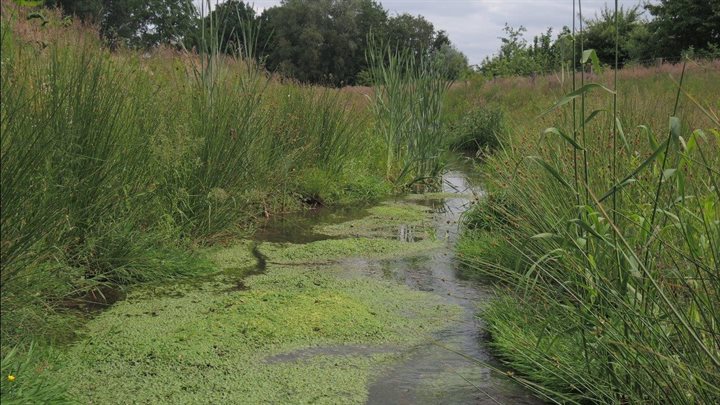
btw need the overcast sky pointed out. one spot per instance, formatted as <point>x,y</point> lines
<point>475,25</point>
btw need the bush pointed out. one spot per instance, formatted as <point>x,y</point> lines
<point>481,128</point>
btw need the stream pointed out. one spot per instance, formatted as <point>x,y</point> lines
<point>343,305</point>
<point>455,378</point>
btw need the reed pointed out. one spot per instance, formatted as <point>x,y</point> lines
<point>408,105</point>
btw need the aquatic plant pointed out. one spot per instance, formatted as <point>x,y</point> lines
<point>408,106</point>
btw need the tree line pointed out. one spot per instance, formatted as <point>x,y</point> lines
<point>672,29</point>
<point>313,41</point>
<point>326,41</point>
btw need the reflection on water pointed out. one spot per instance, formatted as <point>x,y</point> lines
<point>298,228</point>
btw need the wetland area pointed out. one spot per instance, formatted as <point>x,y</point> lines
<point>351,305</point>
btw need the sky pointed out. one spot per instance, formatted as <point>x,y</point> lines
<point>474,26</point>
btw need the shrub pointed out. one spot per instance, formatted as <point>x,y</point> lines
<point>482,128</point>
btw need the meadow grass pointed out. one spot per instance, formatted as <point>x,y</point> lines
<point>602,232</point>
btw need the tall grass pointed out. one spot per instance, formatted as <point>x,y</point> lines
<point>116,165</point>
<point>605,245</point>
<point>408,104</point>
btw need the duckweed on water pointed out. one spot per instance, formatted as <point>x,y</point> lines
<point>209,347</point>
<point>215,343</point>
<point>238,256</point>
<point>328,251</point>
<point>383,221</point>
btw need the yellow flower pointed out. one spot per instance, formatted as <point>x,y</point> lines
<point>11,378</point>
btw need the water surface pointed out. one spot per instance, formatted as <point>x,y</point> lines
<point>457,368</point>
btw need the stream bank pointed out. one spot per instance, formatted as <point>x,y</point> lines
<point>351,306</point>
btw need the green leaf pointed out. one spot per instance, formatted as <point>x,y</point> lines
<point>545,235</point>
<point>675,128</point>
<point>29,3</point>
<point>551,170</point>
<point>562,134</point>
<point>668,173</point>
<point>593,115</point>
<point>622,183</point>
<point>577,93</point>
<point>591,55</point>
<point>633,263</point>
<point>589,229</point>
<point>621,132</point>
<point>651,137</point>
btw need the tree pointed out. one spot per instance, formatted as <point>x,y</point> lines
<point>631,30</point>
<point>513,58</point>
<point>683,24</point>
<point>146,23</point>
<point>229,22</point>
<point>320,41</point>
<point>454,62</point>
<point>137,23</point>
<point>544,52</point>
<point>518,57</point>
<point>86,10</point>
<point>315,41</point>
<point>406,31</point>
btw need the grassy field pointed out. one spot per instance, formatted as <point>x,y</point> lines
<point>603,235</point>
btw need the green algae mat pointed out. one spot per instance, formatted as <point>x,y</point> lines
<point>308,329</point>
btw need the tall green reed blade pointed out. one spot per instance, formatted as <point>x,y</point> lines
<point>586,182</point>
<point>615,118</point>
<point>583,133</point>
<point>574,107</point>
<point>673,134</point>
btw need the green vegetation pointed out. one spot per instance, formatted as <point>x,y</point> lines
<point>313,41</point>
<point>692,25</point>
<point>239,256</point>
<point>384,221</point>
<point>674,28</point>
<point>116,167</point>
<point>25,377</point>
<point>325,41</point>
<point>602,233</point>
<point>328,251</point>
<point>480,128</point>
<point>121,171</point>
<point>408,100</point>
<point>121,168</point>
<point>306,330</point>
<point>208,345</point>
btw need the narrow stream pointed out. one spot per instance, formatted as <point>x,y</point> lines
<point>434,372</point>
<point>454,379</point>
